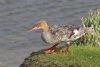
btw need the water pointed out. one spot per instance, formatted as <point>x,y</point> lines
<point>16,16</point>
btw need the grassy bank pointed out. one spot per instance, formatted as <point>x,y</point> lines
<point>79,56</point>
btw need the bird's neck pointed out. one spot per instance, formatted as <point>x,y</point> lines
<point>45,29</point>
<point>46,36</point>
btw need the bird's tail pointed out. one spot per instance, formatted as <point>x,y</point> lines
<point>82,31</point>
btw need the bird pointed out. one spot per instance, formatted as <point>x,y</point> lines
<point>56,34</point>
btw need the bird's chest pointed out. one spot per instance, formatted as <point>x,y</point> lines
<point>46,37</point>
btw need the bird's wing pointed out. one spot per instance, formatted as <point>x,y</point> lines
<point>63,32</point>
<point>59,31</point>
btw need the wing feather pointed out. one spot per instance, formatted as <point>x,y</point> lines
<point>62,32</point>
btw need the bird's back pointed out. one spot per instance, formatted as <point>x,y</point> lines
<point>62,32</point>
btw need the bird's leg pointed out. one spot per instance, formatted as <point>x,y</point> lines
<point>66,49</point>
<point>51,49</point>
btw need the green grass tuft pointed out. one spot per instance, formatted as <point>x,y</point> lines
<point>92,20</point>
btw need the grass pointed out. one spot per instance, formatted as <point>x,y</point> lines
<point>92,20</point>
<point>84,56</point>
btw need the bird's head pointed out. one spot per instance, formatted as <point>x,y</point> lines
<point>39,25</point>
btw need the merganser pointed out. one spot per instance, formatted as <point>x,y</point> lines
<point>56,34</point>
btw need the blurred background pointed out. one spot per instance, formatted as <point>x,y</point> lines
<point>16,16</point>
